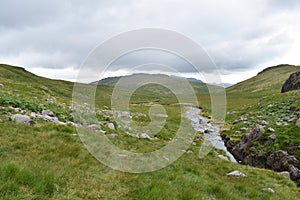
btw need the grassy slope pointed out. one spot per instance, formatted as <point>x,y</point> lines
<point>261,96</point>
<point>47,162</point>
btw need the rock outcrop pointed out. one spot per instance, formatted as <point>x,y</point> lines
<point>292,83</point>
<point>240,151</point>
<point>22,119</point>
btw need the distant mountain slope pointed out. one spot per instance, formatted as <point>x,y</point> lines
<point>269,80</point>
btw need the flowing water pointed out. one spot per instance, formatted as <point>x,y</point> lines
<point>211,132</point>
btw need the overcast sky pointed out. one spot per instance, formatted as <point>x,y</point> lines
<point>52,38</point>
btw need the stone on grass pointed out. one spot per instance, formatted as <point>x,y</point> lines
<point>223,157</point>
<point>264,123</point>
<point>285,174</point>
<point>22,119</point>
<point>298,123</point>
<point>94,127</point>
<point>271,129</point>
<point>236,173</point>
<point>111,126</point>
<point>48,113</point>
<point>269,190</point>
<point>272,137</point>
<point>144,136</point>
<point>114,136</point>
<point>1,85</point>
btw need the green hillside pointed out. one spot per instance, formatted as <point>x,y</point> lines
<point>258,100</point>
<point>48,160</point>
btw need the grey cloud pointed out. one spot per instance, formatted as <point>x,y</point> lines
<point>58,34</point>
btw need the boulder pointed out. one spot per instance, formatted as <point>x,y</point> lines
<point>22,119</point>
<point>240,150</point>
<point>236,174</point>
<point>292,83</point>
<point>280,161</point>
<point>111,126</point>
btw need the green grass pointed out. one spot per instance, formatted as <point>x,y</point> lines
<point>48,161</point>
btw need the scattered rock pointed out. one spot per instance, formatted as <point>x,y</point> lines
<point>94,127</point>
<point>22,119</point>
<point>243,129</point>
<point>271,129</point>
<point>1,85</point>
<point>236,174</point>
<point>269,190</point>
<point>114,136</point>
<point>237,132</point>
<point>272,137</point>
<point>33,114</point>
<point>292,83</point>
<point>264,123</point>
<point>111,126</point>
<point>48,113</point>
<point>223,157</point>
<point>189,151</point>
<point>286,174</point>
<point>145,136</point>
<point>236,121</point>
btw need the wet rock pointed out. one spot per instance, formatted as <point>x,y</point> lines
<point>111,126</point>
<point>236,174</point>
<point>22,119</point>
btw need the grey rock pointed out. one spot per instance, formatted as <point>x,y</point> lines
<point>22,119</point>
<point>294,174</point>
<point>298,123</point>
<point>285,174</point>
<point>145,136</point>
<point>48,113</point>
<point>280,161</point>
<point>114,136</point>
<point>111,126</point>
<point>243,129</point>
<point>236,174</point>
<point>271,129</point>
<point>269,190</point>
<point>94,127</point>
<point>292,83</point>
<point>272,137</point>
<point>223,157</point>
<point>33,114</point>
<point>240,150</point>
<point>264,123</point>
<point>189,151</point>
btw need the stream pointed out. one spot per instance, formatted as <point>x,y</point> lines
<point>211,132</point>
